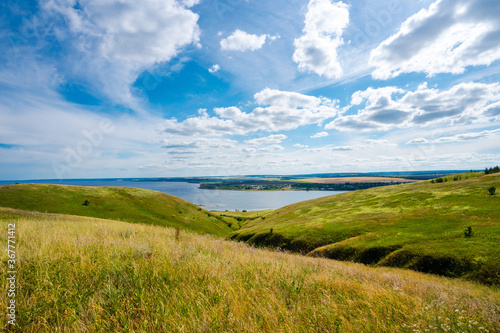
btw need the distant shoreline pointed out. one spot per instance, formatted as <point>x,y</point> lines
<point>311,184</point>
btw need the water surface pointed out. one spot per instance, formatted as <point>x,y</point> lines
<point>210,199</point>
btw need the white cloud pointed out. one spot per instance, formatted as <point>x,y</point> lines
<point>115,40</point>
<point>417,141</point>
<point>242,41</point>
<point>250,150</point>
<point>319,135</point>
<point>271,148</point>
<point>278,110</point>
<point>391,107</point>
<point>298,145</point>
<point>190,3</point>
<point>272,38</point>
<point>214,69</point>
<point>316,50</point>
<point>197,143</point>
<point>344,148</point>
<point>468,136</point>
<point>445,38</point>
<point>276,138</point>
<point>375,142</point>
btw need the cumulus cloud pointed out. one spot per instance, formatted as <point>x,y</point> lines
<point>214,69</point>
<point>445,38</point>
<point>277,110</point>
<point>277,138</point>
<point>116,40</point>
<point>242,41</point>
<point>319,135</point>
<point>391,107</point>
<point>298,145</point>
<point>317,49</point>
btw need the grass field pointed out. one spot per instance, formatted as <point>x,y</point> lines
<point>79,274</point>
<point>117,203</point>
<point>419,226</point>
<point>342,180</point>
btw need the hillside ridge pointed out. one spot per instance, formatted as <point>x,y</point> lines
<point>117,203</point>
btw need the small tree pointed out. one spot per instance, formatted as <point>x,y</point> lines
<point>468,232</point>
<point>492,190</point>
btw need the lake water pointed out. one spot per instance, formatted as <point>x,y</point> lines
<point>210,199</point>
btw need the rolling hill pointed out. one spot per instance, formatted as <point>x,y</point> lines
<point>419,226</point>
<point>117,203</point>
<point>80,274</point>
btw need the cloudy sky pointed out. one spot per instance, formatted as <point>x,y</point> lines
<point>159,88</point>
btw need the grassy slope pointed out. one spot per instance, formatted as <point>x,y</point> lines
<point>78,274</point>
<point>418,226</point>
<point>117,203</point>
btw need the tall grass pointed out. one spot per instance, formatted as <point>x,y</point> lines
<point>80,274</point>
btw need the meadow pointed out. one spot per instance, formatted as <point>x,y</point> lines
<point>419,226</point>
<point>82,274</point>
<point>117,203</point>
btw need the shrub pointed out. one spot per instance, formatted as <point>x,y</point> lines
<point>492,190</point>
<point>468,232</point>
<point>86,203</point>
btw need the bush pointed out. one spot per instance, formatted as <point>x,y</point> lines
<point>86,203</point>
<point>492,190</point>
<point>468,232</point>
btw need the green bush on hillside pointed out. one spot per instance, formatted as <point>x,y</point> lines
<point>492,190</point>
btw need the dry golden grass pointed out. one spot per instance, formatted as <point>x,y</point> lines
<point>80,274</point>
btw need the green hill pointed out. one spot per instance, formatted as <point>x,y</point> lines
<point>117,203</point>
<point>79,274</point>
<point>418,226</point>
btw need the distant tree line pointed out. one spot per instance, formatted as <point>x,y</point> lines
<point>491,170</point>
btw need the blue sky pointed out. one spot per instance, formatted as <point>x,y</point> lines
<point>121,88</point>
